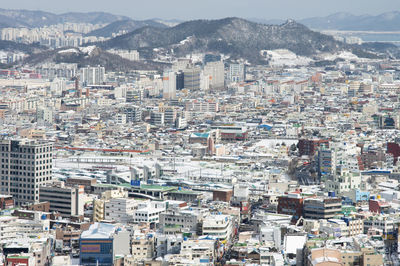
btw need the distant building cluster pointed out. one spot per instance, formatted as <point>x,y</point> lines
<point>54,36</point>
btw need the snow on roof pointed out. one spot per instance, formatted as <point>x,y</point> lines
<point>99,230</point>
<point>292,243</point>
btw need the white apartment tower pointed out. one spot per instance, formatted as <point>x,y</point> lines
<point>216,73</point>
<point>237,72</point>
<point>169,85</point>
<point>93,75</point>
<point>25,166</point>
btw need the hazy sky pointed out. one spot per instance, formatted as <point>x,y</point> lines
<point>191,9</point>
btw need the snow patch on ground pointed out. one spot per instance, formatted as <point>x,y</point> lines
<point>348,56</point>
<point>69,51</point>
<point>188,39</point>
<point>283,57</point>
<point>87,50</point>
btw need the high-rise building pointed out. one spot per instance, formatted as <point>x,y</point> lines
<point>169,85</point>
<point>25,166</point>
<point>93,75</point>
<point>237,72</point>
<point>191,78</point>
<point>215,71</point>
<point>180,84</point>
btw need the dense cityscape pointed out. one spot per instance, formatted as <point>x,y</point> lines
<point>152,143</point>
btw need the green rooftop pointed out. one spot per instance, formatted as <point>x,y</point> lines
<point>18,257</point>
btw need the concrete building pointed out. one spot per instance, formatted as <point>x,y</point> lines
<point>322,208</point>
<point>120,210</point>
<point>215,71</point>
<point>180,221</point>
<point>68,201</point>
<point>149,212</point>
<point>218,226</point>
<point>133,114</point>
<point>120,119</point>
<point>44,114</point>
<point>142,247</point>
<point>191,78</point>
<point>99,208</point>
<point>169,85</point>
<point>26,165</point>
<point>237,73</point>
<point>157,118</point>
<point>93,75</point>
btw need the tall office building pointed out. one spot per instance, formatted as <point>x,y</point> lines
<point>180,82</point>
<point>93,75</point>
<point>25,166</point>
<point>215,70</point>
<point>191,78</point>
<point>237,72</point>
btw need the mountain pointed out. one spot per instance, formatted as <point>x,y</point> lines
<point>124,25</point>
<point>389,21</point>
<point>32,19</point>
<point>234,36</point>
<point>90,56</point>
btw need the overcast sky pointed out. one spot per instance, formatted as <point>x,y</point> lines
<point>193,9</point>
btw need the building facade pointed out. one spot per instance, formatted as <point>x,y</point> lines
<point>25,166</point>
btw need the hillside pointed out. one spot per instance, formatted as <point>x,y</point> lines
<point>124,25</point>
<point>90,56</point>
<point>234,36</point>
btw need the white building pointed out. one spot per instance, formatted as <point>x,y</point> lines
<point>44,114</point>
<point>237,73</point>
<point>149,212</point>
<point>218,226</point>
<point>120,210</point>
<point>93,75</point>
<point>215,72</point>
<point>120,119</point>
<point>169,85</point>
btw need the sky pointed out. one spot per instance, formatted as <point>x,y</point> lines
<point>194,9</point>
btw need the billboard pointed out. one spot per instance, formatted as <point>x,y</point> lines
<point>90,248</point>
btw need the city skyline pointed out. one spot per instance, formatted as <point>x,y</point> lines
<point>210,9</point>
